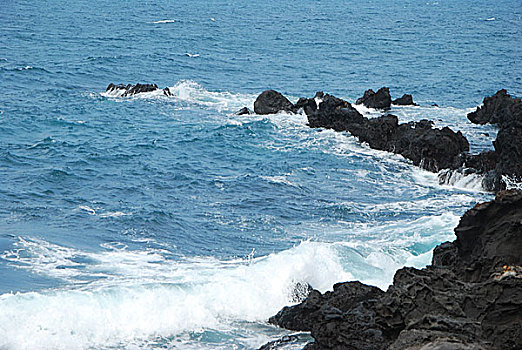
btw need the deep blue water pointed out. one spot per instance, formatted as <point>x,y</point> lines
<point>170,222</point>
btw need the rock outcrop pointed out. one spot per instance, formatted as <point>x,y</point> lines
<point>499,109</point>
<point>130,90</point>
<point>244,111</point>
<point>432,149</point>
<point>380,99</point>
<point>405,100</point>
<point>469,298</point>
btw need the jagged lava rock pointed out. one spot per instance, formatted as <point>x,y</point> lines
<point>271,102</point>
<point>506,111</point>
<point>334,113</point>
<point>380,99</point>
<point>489,236</point>
<point>432,149</point>
<point>500,109</point>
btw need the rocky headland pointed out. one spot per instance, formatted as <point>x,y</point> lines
<point>469,298</point>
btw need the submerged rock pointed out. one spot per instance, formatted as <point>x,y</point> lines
<point>405,100</point>
<point>279,343</point>
<point>470,298</point>
<point>380,99</point>
<point>271,102</point>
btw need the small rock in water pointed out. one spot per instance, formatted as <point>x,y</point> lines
<point>243,111</point>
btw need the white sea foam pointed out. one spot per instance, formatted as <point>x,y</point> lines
<point>164,21</point>
<point>145,295</point>
<point>512,183</point>
<point>281,179</point>
<point>458,180</point>
<point>98,212</point>
<point>188,91</point>
<point>388,247</point>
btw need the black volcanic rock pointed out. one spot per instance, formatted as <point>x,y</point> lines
<point>405,100</point>
<point>489,236</point>
<point>283,341</point>
<point>508,147</point>
<point>271,102</point>
<point>318,307</point>
<point>500,109</point>
<point>309,105</point>
<point>431,149</point>
<point>470,298</point>
<point>380,99</point>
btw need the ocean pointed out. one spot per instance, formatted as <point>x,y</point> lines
<point>155,222</point>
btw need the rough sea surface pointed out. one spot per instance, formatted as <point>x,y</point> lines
<point>169,222</point>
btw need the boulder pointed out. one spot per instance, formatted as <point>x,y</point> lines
<point>281,342</point>
<point>508,147</point>
<point>469,298</point>
<point>504,164</point>
<point>405,100</point>
<point>271,102</point>
<point>380,99</point>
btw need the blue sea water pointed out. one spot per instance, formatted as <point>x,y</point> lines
<point>170,222</point>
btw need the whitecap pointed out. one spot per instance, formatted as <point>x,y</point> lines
<point>164,21</point>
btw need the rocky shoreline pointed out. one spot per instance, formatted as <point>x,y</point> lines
<point>470,298</point>
<point>471,295</point>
